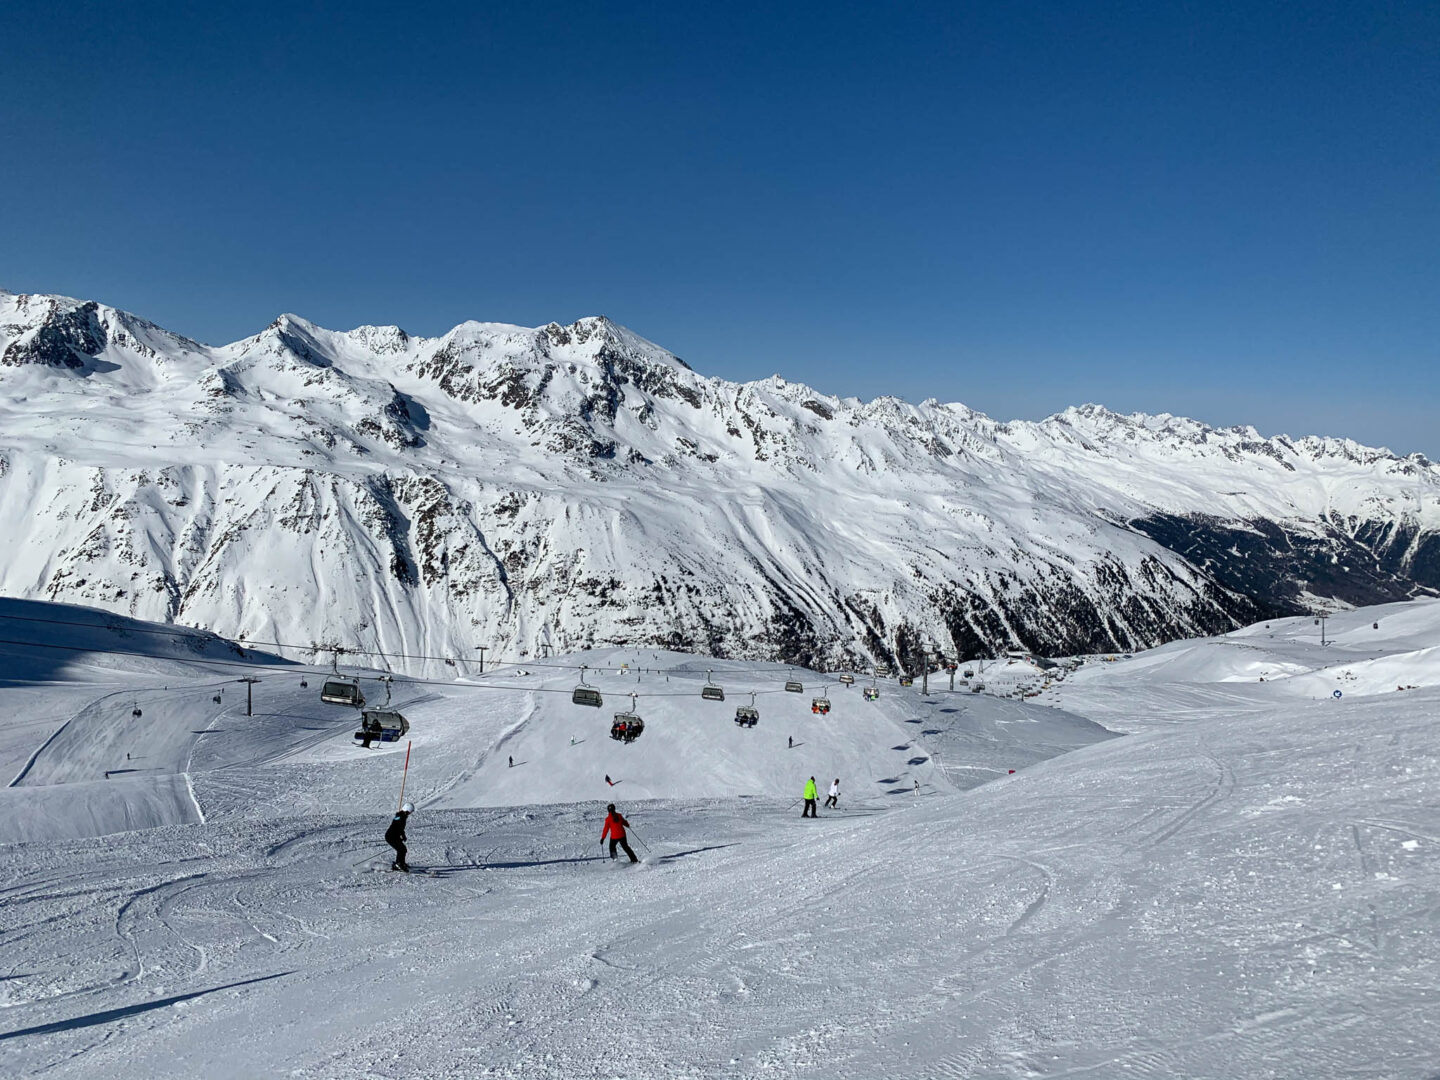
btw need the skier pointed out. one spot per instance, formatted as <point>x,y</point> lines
<point>833,799</point>
<point>809,796</point>
<point>917,787</point>
<point>395,837</point>
<point>608,780</point>
<point>512,760</point>
<point>615,825</point>
<point>789,742</point>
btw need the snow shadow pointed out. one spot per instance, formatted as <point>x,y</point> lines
<point>48,637</point>
<point>444,871</point>
<point>107,1016</point>
<point>693,851</point>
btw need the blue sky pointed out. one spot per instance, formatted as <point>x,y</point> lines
<point>1224,210</point>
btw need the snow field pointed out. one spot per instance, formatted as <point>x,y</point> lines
<point>1246,887</point>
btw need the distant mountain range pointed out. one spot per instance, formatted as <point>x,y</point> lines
<point>576,486</point>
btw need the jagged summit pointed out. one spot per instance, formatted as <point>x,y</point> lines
<point>433,494</point>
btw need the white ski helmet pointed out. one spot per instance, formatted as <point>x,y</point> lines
<point>408,808</point>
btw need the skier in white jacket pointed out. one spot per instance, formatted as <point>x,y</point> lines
<point>833,799</point>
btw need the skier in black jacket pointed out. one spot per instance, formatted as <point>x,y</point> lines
<point>395,837</point>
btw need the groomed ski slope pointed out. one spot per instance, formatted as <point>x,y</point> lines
<point>1246,886</point>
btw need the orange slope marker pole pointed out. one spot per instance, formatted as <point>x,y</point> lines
<point>405,776</point>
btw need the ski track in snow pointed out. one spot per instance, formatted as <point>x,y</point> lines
<point>1248,885</point>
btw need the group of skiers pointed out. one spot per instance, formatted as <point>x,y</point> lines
<point>812,793</point>
<point>614,830</point>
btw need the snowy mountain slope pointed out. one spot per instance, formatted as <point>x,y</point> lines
<point>579,486</point>
<point>1232,892</point>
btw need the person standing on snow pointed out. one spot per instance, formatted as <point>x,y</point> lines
<point>395,837</point>
<point>615,825</point>
<point>833,799</point>
<point>810,795</point>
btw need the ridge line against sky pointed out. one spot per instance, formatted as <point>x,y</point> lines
<point>1229,213</point>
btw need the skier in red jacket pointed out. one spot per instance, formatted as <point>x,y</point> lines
<point>615,825</point>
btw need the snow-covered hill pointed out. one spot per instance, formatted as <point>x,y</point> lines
<point>577,486</point>
<point>1245,887</point>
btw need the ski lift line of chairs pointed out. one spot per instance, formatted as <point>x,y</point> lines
<point>847,679</point>
<point>711,692</point>
<point>747,715</point>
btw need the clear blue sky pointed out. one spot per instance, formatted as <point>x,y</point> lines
<point>1225,210</point>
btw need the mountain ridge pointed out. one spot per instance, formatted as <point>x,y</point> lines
<point>498,485</point>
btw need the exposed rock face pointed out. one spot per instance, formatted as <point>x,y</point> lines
<point>578,485</point>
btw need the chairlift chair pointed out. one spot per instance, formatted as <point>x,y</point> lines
<point>304,685</point>
<point>711,692</point>
<point>748,715</point>
<point>907,680</point>
<point>951,665</point>
<point>872,693</point>
<point>627,727</point>
<point>137,712</point>
<point>795,687</point>
<point>969,673</point>
<point>343,692</point>
<point>585,694</point>
<point>847,679</point>
<point>820,705</point>
<point>381,725</point>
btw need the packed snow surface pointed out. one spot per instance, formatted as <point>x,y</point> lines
<point>1246,884</point>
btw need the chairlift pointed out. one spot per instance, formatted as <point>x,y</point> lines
<point>907,680</point>
<point>585,694</point>
<point>624,720</point>
<point>872,693</point>
<point>304,685</point>
<point>969,673</point>
<point>747,715</point>
<point>711,692</point>
<point>381,725</point>
<point>342,692</point>
<point>216,699</point>
<point>950,665</point>
<point>795,687</point>
<point>847,679</point>
<point>820,705</point>
<point>627,727</point>
<point>136,711</point>
<point>882,671</point>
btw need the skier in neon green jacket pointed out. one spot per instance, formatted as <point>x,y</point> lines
<point>810,794</point>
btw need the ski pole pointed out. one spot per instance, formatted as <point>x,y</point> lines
<point>637,837</point>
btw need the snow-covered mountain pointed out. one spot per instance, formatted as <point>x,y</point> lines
<point>577,486</point>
